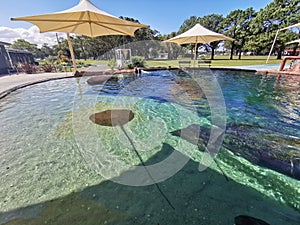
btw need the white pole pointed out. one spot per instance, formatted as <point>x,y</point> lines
<point>72,52</point>
<point>272,46</point>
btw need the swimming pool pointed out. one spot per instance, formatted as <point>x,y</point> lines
<point>58,167</point>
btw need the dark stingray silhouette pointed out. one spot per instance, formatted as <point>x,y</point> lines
<point>248,220</point>
<point>262,147</point>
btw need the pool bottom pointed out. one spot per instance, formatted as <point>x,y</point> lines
<point>199,198</point>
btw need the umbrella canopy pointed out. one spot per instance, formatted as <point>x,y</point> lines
<point>198,34</point>
<point>85,19</point>
<point>294,42</point>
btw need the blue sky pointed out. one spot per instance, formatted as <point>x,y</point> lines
<point>163,15</point>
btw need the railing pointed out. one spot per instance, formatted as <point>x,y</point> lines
<point>287,58</point>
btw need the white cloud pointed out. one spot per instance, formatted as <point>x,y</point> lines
<point>31,35</point>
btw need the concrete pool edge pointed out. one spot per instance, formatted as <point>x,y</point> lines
<point>9,84</point>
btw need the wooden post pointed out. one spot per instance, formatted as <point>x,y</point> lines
<point>72,52</point>
<point>195,56</point>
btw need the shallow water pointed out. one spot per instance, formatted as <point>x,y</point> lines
<point>57,166</point>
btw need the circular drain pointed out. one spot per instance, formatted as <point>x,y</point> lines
<point>111,118</point>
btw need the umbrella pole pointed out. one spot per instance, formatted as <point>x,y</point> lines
<point>195,54</point>
<point>72,52</point>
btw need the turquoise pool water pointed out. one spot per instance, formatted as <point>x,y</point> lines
<point>58,167</point>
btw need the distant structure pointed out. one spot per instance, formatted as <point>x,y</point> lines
<point>10,58</point>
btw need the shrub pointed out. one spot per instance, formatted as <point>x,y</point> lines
<point>27,68</point>
<point>48,68</point>
<point>52,60</point>
<point>112,64</point>
<point>138,61</point>
<point>129,66</point>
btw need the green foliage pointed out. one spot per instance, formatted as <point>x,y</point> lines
<point>278,14</point>
<point>129,66</point>
<point>138,61</point>
<point>52,60</point>
<point>112,64</point>
<point>237,25</point>
<point>214,23</point>
<point>63,59</point>
<point>21,44</point>
<point>48,68</point>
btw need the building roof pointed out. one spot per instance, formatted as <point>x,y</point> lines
<point>18,51</point>
<point>4,43</point>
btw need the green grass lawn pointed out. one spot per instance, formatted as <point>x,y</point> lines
<point>92,62</point>
<point>220,61</point>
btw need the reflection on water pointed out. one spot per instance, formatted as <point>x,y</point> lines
<point>46,179</point>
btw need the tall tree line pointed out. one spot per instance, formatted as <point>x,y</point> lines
<point>252,31</point>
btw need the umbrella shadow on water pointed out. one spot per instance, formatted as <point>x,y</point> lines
<point>198,197</point>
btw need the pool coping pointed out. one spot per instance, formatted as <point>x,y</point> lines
<point>28,82</point>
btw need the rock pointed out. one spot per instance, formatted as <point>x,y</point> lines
<point>98,79</point>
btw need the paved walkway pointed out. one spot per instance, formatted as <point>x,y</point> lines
<point>11,82</point>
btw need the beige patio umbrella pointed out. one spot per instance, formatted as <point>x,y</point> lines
<point>198,34</point>
<point>85,19</point>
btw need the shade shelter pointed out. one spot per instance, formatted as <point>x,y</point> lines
<point>198,34</point>
<point>85,19</point>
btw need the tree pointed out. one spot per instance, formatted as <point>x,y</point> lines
<point>62,48</point>
<point>45,51</point>
<point>212,22</point>
<point>278,14</point>
<point>188,24</point>
<point>237,25</point>
<point>21,44</point>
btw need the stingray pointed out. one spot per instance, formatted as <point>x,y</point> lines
<point>262,147</point>
<point>119,117</point>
